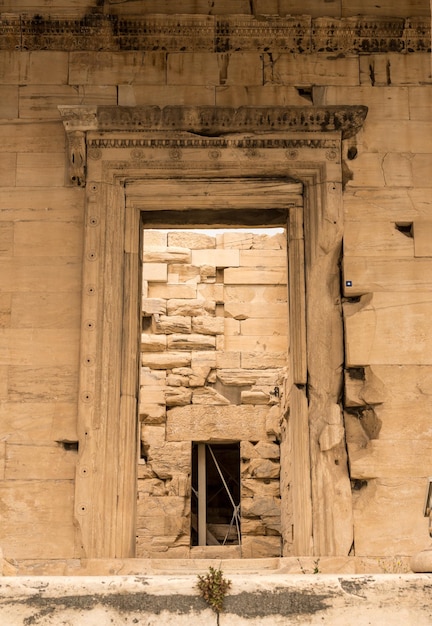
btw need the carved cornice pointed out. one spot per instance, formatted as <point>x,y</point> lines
<point>189,33</point>
<point>204,123</point>
<point>216,121</point>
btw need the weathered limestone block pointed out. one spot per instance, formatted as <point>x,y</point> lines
<point>209,423</point>
<point>191,342</point>
<point>362,424</point>
<point>153,343</point>
<point>255,397</point>
<point>162,515</point>
<point>192,69</point>
<point>35,239</point>
<point>264,326</point>
<point>192,240</point>
<point>260,468</point>
<point>275,242</point>
<point>208,396</point>
<point>363,387</point>
<point>169,292</point>
<point>381,329</point>
<point>199,377</point>
<point>154,238</point>
<point>421,166</point>
<point>153,395</point>
<point>408,393</point>
<point>51,503</point>
<point>183,273</point>
<point>165,360</point>
<point>384,459</point>
<point>231,326</point>
<point>152,378</point>
<point>191,307</point>
<point>9,101</point>
<point>179,485</point>
<point>36,462</point>
<point>40,101</point>
<point>267,310</point>
<point>332,433</point>
<point>383,239</point>
<point>153,254</point>
<point>250,360</point>
<point>216,258</point>
<point>256,294</point>
<point>205,360</point>
<point>242,377</point>
<point>255,547</point>
<point>422,231</point>
<point>151,413</point>
<point>116,68</point>
<point>251,487</point>
<point>235,241</point>
<point>398,169</point>
<point>258,258</point>
<point>273,423</point>
<point>178,396</point>
<point>267,450</point>
<point>176,380</point>
<point>252,526</point>
<point>312,69</point>
<point>165,458</point>
<point>169,324</point>
<point>399,69</point>
<point>210,291</point>
<point>265,506</point>
<point>257,343</point>
<point>394,275</point>
<point>207,274</point>
<point>227,359</point>
<point>155,272</point>
<point>151,487</point>
<point>207,325</point>
<point>252,276</point>
<point>182,371</point>
<point>382,524</point>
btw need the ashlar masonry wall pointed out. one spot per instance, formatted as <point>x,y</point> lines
<point>214,369</point>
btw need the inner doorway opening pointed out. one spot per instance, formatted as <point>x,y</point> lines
<point>213,389</point>
<point>215,503</point>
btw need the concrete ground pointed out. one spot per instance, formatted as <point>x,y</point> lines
<point>266,599</point>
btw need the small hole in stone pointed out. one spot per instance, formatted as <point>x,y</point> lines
<point>406,228</point>
<point>352,153</point>
<point>69,445</point>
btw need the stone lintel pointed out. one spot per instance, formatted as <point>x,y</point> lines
<point>207,121</point>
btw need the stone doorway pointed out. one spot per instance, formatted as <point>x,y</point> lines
<point>133,159</point>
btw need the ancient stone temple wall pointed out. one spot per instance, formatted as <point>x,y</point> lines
<point>370,263</point>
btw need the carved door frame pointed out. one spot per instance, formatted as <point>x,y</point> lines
<point>112,147</point>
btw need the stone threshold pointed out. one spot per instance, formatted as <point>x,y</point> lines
<point>303,565</point>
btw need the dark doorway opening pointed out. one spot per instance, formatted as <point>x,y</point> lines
<point>215,502</point>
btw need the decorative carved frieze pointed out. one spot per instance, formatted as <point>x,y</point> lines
<point>188,33</point>
<point>208,126</point>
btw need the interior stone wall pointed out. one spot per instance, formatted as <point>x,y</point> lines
<point>329,54</point>
<point>214,368</point>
